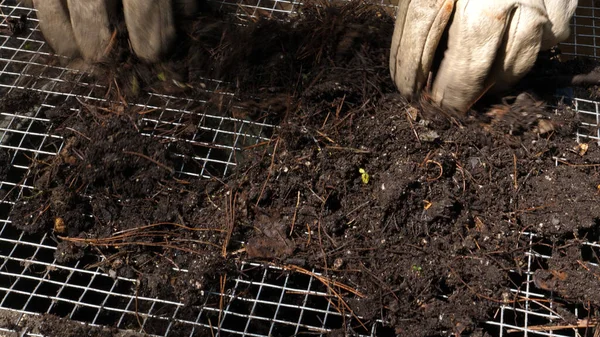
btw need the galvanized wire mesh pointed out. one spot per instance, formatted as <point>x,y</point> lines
<point>264,300</point>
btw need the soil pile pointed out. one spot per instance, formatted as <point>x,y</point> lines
<point>421,213</point>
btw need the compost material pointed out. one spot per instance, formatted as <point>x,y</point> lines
<point>421,214</point>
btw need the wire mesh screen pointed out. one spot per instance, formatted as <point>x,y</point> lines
<point>263,301</point>
<point>584,38</point>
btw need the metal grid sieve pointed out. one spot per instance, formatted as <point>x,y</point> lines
<point>261,302</point>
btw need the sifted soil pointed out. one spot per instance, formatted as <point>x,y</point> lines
<point>420,213</point>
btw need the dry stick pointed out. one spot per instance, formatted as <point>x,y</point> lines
<point>37,217</point>
<point>256,145</point>
<point>167,223</point>
<point>486,89</point>
<point>111,43</point>
<point>339,107</point>
<point>346,149</point>
<point>121,237</point>
<point>147,111</point>
<point>329,283</point>
<point>581,324</point>
<point>150,159</point>
<point>326,119</point>
<point>295,212</point>
<point>342,120</point>
<point>137,314</point>
<point>530,209</point>
<point>121,98</point>
<point>139,243</point>
<point>211,328</point>
<point>262,190</point>
<point>222,280</point>
<point>230,221</point>
<point>577,165</point>
<point>326,137</point>
<point>79,133</point>
<point>441,170</point>
<point>515,171</point>
<point>424,162</point>
<point>412,126</point>
<point>588,269</point>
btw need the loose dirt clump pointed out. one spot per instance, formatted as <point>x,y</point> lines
<point>422,215</point>
<point>110,186</point>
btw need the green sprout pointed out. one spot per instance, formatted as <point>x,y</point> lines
<point>416,268</point>
<point>135,85</point>
<point>364,176</point>
<point>162,77</point>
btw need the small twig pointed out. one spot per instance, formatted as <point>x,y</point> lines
<point>323,279</point>
<point>339,107</point>
<point>530,209</point>
<point>412,126</point>
<point>169,224</point>
<point>347,149</point>
<point>137,314</point>
<point>576,165</point>
<point>330,284</point>
<point>441,170</point>
<point>515,171</point>
<point>262,190</point>
<point>266,142</point>
<point>111,43</point>
<point>485,90</point>
<point>94,242</point>
<point>326,137</point>
<point>222,281</point>
<point>171,170</point>
<point>147,111</point>
<point>581,324</point>
<point>588,269</point>
<point>358,207</point>
<point>79,133</point>
<point>424,162</point>
<point>230,213</point>
<point>37,217</point>
<point>295,213</point>
<point>212,333</point>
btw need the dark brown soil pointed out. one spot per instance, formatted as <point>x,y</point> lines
<point>420,212</point>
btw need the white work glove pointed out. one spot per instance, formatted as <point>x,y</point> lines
<point>83,27</point>
<point>491,45</point>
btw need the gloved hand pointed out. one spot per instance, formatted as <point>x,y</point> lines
<point>472,46</point>
<point>84,28</point>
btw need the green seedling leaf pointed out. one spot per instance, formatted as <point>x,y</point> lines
<point>364,176</point>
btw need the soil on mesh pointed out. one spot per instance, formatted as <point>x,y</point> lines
<point>420,213</point>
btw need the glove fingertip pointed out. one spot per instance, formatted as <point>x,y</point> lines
<point>151,27</point>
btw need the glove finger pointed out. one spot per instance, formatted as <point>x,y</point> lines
<point>91,26</point>
<point>476,33</point>
<point>520,48</point>
<point>419,27</point>
<point>559,14</point>
<point>150,26</point>
<point>55,24</point>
